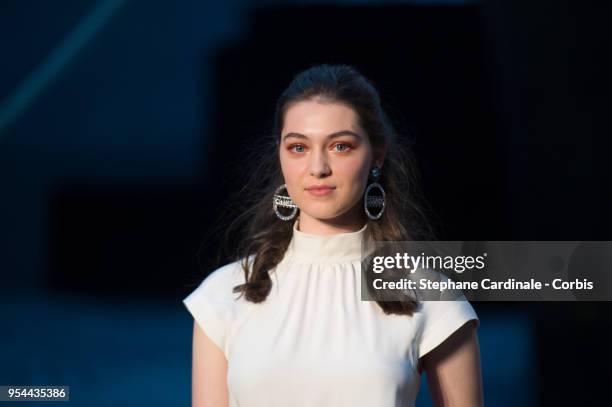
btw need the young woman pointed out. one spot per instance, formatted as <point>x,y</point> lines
<point>284,324</point>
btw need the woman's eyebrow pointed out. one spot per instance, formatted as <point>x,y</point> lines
<point>333,135</point>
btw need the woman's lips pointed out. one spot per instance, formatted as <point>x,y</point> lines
<point>320,191</point>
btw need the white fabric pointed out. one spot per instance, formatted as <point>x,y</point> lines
<point>313,342</point>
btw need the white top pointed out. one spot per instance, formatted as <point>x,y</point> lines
<point>313,342</point>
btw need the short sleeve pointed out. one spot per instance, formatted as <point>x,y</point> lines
<point>212,304</point>
<point>440,319</point>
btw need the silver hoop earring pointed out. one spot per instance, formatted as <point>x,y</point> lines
<point>284,201</point>
<point>377,200</point>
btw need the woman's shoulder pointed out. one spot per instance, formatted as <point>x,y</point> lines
<point>219,283</point>
<point>230,273</point>
<point>213,303</point>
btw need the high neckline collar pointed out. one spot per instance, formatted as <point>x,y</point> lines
<point>345,246</point>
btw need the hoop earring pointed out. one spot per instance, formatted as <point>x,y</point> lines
<point>374,201</point>
<point>284,201</point>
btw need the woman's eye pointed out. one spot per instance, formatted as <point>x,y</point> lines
<point>343,147</point>
<point>298,148</point>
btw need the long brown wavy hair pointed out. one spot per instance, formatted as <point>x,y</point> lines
<point>256,237</point>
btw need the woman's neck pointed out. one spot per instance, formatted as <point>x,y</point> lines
<point>342,224</point>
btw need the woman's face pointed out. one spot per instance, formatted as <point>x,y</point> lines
<point>322,146</point>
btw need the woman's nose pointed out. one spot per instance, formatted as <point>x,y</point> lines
<point>319,165</point>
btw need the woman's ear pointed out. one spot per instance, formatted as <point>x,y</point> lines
<point>381,158</point>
